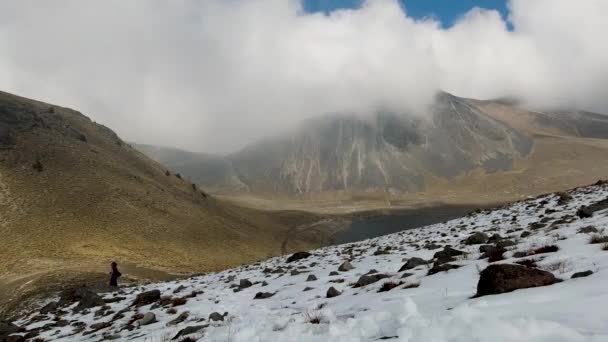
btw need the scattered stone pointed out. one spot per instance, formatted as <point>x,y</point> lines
<point>298,256</point>
<point>587,211</point>
<point>216,317</point>
<point>582,274</point>
<point>148,318</point>
<point>114,299</point>
<point>446,255</point>
<point>413,263</point>
<point>588,230</point>
<point>7,328</point>
<point>100,325</point>
<point>263,295</point>
<point>182,317</point>
<point>84,296</point>
<point>365,279</point>
<point>501,278</point>
<point>147,297</point>
<point>311,277</point>
<point>505,243</point>
<point>332,292</point>
<point>405,275</point>
<point>189,330</point>
<point>308,288</point>
<point>333,273</point>
<point>345,267</point>
<point>50,307</point>
<point>245,283</point>
<point>179,289</point>
<point>476,238</point>
<point>442,268</point>
<point>431,246</point>
<point>14,338</point>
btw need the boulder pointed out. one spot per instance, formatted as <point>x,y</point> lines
<point>333,273</point>
<point>7,328</point>
<point>476,238</point>
<point>582,274</point>
<point>147,297</point>
<point>412,263</point>
<point>345,267</point>
<point>263,295</point>
<point>148,318</point>
<point>365,279</point>
<point>332,292</point>
<point>501,278</point>
<point>446,255</point>
<point>298,256</point>
<point>245,283</point>
<point>189,330</point>
<point>442,268</point>
<point>84,296</point>
<point>216,317</point>
<point>311,277</point>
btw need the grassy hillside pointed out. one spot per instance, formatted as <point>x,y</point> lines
<point>74,196</point>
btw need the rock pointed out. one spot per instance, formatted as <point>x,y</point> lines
<point>505,243</point>
<point>587,211</point>
<point>263,295</point>
<point>311,277</point>
<point>501,278</point>
<point>562,197</point>
<point>345,267</point>
<point>147,297</point>
<point>484,248</point>
<point>536,225</point>
<point>148,318</point>
<point>588,230</point>
<point>84,296</point>
<point>431,246</point>
<point>50,307</point>
<point>114,299</point>
<point>442,268</point>
<point>14,338</point>
<point>7,328</point>
<point>179,289</point>
<point>245,283</point>
<point>582,274</point>
<point>365,279</point>
<point>405,275</point>
<point>189,330</point>
<point>308,288</point>
<point>476,238</point>
<point>182,317</point>
<point>412,263</point>
<point>525,234</point>
<point>100,325</point>
<point>216,317</point>
<point>298,256</point>
<point>332,292</point>
<point>333,273</point>
<point>446,255</point>
<point>494,238</point>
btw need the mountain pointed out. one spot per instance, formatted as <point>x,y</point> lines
<point>534,270</point>
<point>74,197</point>
<point>496,145</point>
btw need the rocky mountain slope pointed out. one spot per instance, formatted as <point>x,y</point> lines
<point>403,155</point>
<point>534,270</point>
<point>74,196</point>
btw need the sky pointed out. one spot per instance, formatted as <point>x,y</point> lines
<point>215,75</point>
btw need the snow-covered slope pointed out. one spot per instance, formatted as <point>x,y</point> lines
<point>437,307</point>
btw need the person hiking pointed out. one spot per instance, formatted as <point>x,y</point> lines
<point>114,275</point>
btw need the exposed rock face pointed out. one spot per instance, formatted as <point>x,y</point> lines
<point>385,151</point>
<point>496,279</point>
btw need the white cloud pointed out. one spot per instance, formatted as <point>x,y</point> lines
<point>213,75</point>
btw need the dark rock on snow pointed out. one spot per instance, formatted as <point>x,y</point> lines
<point>501,278</point>
<point>298,256</point>
<point>582,274</point>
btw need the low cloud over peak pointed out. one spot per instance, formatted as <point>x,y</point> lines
<point>214,75</point>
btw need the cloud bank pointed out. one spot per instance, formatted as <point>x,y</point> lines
<point>214,75</point>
